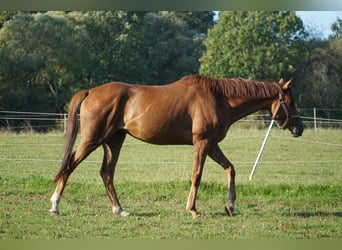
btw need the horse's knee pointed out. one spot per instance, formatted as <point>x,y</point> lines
<point>103,173</point>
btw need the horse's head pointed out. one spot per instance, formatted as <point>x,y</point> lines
<point>284,112</point>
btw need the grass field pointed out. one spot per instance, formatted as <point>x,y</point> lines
<point>296,191</point>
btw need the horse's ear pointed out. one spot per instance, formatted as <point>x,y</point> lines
<point>286,85</point>
<point>281,81</point>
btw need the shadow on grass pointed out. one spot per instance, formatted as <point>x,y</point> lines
<point>317,214</point>
<point>223,214</point>
<point>217,214</point>
<point>144,214</point>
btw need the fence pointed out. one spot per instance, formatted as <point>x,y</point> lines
<point>43,122</point>
<point>322,117</point>
<point>32,121</point>
<point>57,122</point>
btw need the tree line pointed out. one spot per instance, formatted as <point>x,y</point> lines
<point>47,56</point>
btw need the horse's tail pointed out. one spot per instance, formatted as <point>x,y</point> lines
<point>71,130</point>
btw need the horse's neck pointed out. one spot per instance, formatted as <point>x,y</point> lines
<point>241,108</point>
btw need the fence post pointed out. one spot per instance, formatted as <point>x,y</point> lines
<point>315,122</point>
<point>65,123</point>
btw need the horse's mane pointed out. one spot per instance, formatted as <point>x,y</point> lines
<point>235,87</point>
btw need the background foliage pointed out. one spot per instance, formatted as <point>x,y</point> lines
<point>255,45</point>
<point>47,56</point>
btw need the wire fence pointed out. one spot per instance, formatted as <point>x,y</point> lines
<point>15,121</point>
<point>32,121</point>
<point>27,121</point>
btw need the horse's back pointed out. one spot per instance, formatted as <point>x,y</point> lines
<point>101,97</point>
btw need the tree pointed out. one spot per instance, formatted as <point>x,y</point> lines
<point>319,77</point>
<point>5,16</point>
<point>336,28</point>
<point>319,81</point>
<point>144,47</point>
<point>43,54</point>
<point>197,21</point>
<point>171,54</point>
<point>115,46</point>
<point>254,44</point>
<point>57,53</point>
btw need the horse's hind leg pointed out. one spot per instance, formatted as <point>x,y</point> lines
<point>111,154</point>
<point>83,150</point>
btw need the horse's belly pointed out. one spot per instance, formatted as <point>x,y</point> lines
<point>160,133</point>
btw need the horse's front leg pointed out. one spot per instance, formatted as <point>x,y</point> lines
<point>200,153</point>
<point>216,154</point>
<point>229,208</point>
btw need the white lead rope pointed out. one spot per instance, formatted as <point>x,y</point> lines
<point>261,149</point>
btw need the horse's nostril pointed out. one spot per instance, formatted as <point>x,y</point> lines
<point>296,131</point>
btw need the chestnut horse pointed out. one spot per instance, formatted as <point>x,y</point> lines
<point>194,110</point>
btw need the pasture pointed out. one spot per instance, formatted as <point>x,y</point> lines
<point>296,191</point>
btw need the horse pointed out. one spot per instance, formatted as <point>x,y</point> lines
<point>195,110</point>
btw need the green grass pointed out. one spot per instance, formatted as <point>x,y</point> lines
<point>295,192</point>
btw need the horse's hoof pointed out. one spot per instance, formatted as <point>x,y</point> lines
<point>54,212</point>
<point>229,210</point>
<point>123,213</point>
<point>194,214</point>
<point>120,211</point>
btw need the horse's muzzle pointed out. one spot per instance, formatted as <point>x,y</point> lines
<point>297,131</point>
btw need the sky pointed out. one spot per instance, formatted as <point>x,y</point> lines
<point>319,21</point>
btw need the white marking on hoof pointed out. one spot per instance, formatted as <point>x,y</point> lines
<point>120,211</point>
<point>123,213</point>
<point>55,199</point>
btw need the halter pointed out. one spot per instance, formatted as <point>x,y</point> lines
<point>281,104</point>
